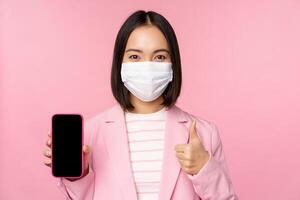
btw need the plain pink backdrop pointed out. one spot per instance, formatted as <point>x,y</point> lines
<point>241,67</point>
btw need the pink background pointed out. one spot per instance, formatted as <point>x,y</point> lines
<point>241,70</point>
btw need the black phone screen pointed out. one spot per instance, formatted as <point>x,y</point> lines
<point>67,136</point>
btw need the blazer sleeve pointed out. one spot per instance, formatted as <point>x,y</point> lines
<point>213,181</point>
<point>82,189</point>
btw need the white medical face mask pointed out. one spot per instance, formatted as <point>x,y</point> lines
<point>146,80</point>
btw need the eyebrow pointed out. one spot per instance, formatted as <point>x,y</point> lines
<point>140,51</point>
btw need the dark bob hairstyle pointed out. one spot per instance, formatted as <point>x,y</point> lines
<point>137,19</point>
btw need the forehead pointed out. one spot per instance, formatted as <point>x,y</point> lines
<point>147,38</point>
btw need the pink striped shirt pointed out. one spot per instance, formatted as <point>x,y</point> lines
<point>146,144</point>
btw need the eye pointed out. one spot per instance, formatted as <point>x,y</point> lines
<point>160,57</point>
<point>133,57</point>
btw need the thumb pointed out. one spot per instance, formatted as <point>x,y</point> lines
<point>193,132</point>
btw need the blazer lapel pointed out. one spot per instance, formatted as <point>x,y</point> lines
<point>176,132</point>
<point>115,137</point>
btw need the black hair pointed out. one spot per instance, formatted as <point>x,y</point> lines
<point>137,19</point>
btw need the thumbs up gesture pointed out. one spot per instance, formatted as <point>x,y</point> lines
<point>192,156</point>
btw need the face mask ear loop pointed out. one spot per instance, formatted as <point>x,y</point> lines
<point>124,77</point>
<point>171,77</point>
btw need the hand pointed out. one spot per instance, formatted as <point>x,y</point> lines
<point>47,154</point>
<point>192,156</point>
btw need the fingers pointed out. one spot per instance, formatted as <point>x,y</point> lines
<point>47,152</point>
<point>47,162</point>
<point>184,148</point>
<point>49,140</point>
<point>48,143</point>
<point>180,148</point>
<point>181,156</point>
<point>86,149</point>
<point>184,151</point>
<point>186,164</point>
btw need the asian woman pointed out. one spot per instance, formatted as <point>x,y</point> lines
<point>145,146</point>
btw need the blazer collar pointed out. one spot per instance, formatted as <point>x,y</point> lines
<point>115,137</point>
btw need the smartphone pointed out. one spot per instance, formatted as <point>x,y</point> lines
<point>67,145</point>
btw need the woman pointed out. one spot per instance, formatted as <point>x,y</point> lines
<point>146,147</point>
